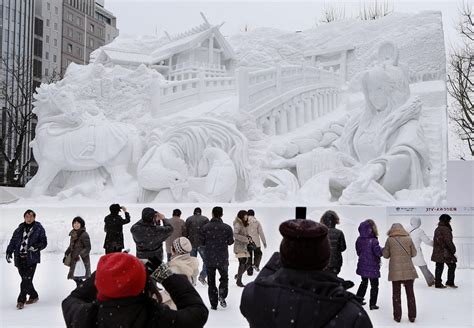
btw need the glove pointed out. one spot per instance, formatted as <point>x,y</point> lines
<point>32,249</point>
<point>9,257</point>
<point>152,264</point>
<point>162,273</point>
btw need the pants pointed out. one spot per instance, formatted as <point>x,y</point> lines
<point>27,274</point>
<point>439,273</point>
<point>200,250</point>
<point>112,249</point>
<point>430,279</point>
<point>397,301</point>
<point>244,264</point>
<point>223,290</point>
<point>255,259</point>
<point>78,281</point>
<point>374,289</point>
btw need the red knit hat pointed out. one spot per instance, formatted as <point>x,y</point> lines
<point>305,245</point>
<point>119,275</point>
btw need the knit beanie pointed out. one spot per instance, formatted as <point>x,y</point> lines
<point>182,245</point>
<point>119,275</point>
<point>305,245</point>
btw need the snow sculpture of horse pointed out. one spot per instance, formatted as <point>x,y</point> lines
<point>174,157</point>
<point>71,139</point>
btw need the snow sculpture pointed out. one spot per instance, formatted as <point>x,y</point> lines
<point>71,138</point>
<point>219,181</point>
<point>381,149</point>
<point>168,170</point>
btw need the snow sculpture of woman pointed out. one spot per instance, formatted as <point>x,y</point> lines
<point>381,149</point>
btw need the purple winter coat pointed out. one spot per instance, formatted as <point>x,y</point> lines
<point>369,252</point>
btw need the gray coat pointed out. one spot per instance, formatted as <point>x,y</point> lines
<point>149,238</point>
<point>194,225</point>
<point>79,246</point>
<point>179,230</point>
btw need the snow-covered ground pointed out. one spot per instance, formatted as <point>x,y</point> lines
<point>436,308</point>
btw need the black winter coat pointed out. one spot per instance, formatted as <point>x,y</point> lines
<point>216,237</point>
<point>443,245</point>
<point>337,242</point>
<point>37,239</point>
<point>194,225</point>
<point>282,297</point>
<point>82,310</point>
<point>114,230</point>
<point>149,238</point>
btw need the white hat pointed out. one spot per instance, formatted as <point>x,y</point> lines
<point>182,245</point>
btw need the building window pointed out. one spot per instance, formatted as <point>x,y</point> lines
<point>38,27</point>
<point>69,48</point>
<point>48,5</point>
<point>79,36</point>
<point>37,68</point>
<point>55,42</point>
<point>91,43</point>
<point>38,48</point>
<point>47,38</point>
<point>79,21</point>
<point>56,26</point>
<point>47,22</point>
<point>70,32</point>
<point>91,28</point>
<point>46,72</point>
<point>55,58</point>
<point>46,55</point>
<point>70,17</point>
<point>79,51</point>
<point>56,10</point>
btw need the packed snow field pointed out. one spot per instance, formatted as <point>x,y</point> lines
<point>436,308</point>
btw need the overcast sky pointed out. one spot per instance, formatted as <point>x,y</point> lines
<point>153,17</point>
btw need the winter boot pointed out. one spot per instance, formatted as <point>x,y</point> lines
<point>20,305</point>
<point>451,286</point>
<point>202,280</point>
<point>32,300</point>
<point>222,302</point>
<point>239,281</point>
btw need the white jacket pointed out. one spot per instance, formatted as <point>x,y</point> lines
<point>254,229</point>
<point>418,236</point>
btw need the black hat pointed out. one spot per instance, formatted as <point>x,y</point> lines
<point>148,214</point>
<point>114,208</point>
<point>305,245</point>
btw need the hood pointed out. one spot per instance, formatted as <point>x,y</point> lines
<point>365,230</point>
<point>326,288</point>
<point>148,214</point>
<point>397,230</point>
<point>415,222</point>
<point>239,221</point>
<point>183,264</point>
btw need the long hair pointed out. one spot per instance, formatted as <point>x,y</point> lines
<point>374,227</point>
<point>329,216</point>
<point>151,290</point>
<point>240,215</point>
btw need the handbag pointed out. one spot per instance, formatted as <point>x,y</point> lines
<point>251,246</point>
<point>67,260</point>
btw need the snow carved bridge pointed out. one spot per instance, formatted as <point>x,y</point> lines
<point>281,98</point>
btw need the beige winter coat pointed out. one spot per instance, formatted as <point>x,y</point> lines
<point>241,239</point>
<point>179,230</point>
<point>182,264</point>
<point>256,232</point>
<point>399,248</point>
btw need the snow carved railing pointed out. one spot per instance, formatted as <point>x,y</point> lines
<point>187,71</point>
<point>189,91</point>
<point>284,98</point>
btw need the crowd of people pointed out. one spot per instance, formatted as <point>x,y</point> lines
<point>298,287</point>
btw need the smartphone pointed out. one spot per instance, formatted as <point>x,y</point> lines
<point>300,212</point>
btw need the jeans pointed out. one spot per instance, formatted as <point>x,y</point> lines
<point>397,301</point>
<point>439,273</point>
<point>213,292</point>
<point>200,250</point>
<point>27,274</point>
<point>374,289</point>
